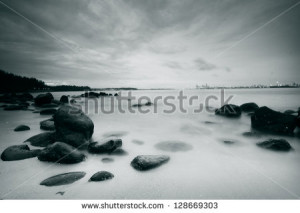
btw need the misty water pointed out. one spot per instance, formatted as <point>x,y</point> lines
<point>202,167</point>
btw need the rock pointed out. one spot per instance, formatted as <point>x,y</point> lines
<point>42,139</point>
<point>60,193</point>
<point>14,107</point>
<point>146,162</point>
<point>73,126</point>
<point>48,112</point>
<point>63,179</point>
<point>52,105</point>
<point>116,94</point>
<point>298,121</point>
<point>43,99</point>
<point>209,122</point>
<point>275,144</point>
<point>21,128</point>
<point>251,134</point>
<point>249,107</point>
<point>106,146</point>
<point>289,112</point>
<point>36,111</point>
<point>61,153</point>
<point>119,152</point>
<point>173,146</point>
<point>101,176</point>
<point>229,142</point>
<point>138,142</point>
<point>268,120</point>
<point>107,160</point>
<point>72,101</point>
<point>47,125</point>
<point>103,94</point>
<point>64,99</point>
<point>229,110</point>
<point>18,152</point>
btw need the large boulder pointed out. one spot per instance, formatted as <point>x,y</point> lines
<point>146,162</point>
<point>43,99</point>
<point>268,120</point>
<point>21,128</point>
<point>18,152</point>
<point>63,179</point>
<point>73,126</point>
<point>106,146</point>
<point>48,111</point>
<point>275,144</point>
<point>47,125</point>
<point>249,107</point>
<point>101,176</point>
<point>229,110</point>
<point>64,99</point>
<point>42,139</point>
<point>61,153</point>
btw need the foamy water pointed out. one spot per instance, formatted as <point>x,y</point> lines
<point>210,170</point>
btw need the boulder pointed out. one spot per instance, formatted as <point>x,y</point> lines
<point>61,153</point>
<point>249,107</point>
<point>106,146</point>
<point>63,179</point>
<point>146,162</point>
<point>48,112</point>
<point>64,99</point>
<point>18,152</point>
<point>42,139</point>
<point>47,125</point>
<point>229,110</point>
<point>268,120</point>
<point>43,99</point>
<point>275,144</point>
<point>73,126</point>
<point>101,176</point>
<point>289,112</point>
<point>21,128</point>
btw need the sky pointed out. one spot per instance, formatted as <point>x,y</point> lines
<point>152,43</point>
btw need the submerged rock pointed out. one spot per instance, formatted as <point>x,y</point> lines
<point>107,160</point>
<point>229,142</point>
<point>73,126</point>
<point>42,139</point>
<point>146,162</point>
<point>265,119</point>
<point>47,125</point>
<point>52,105</point>
<point>48,111</point>
<point>174,146</point>
<point>43,99</point>
<point>61,153</point>
<point>21,128</point>
<point>63,179</point>
<point>118,152</point>
<point>275,144</point>
<point>229,110</point>
<point>106,146</point>
<point>18,152</point>
<point>101,176</point>
<point>249,107</point>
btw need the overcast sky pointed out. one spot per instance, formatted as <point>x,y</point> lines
<point>151,43</point>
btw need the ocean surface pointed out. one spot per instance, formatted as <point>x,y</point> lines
<point>209,169</point>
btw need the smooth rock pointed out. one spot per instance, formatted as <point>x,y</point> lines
<point>249,107</point>
<point>229,110</point>
<point>63,179</point>
<point>105,146</point>
<point>18,152</point>
<point>118,152</point>
<point>48,112</point>
<point>21,128</point>
<point>64,99</point>
<point>146,162</point>
<point>52,105</point>
<point>43,99</point>
<point>47,125</point>
<point>101,176</point>
<point>275,144</point>
<point>42,139</point>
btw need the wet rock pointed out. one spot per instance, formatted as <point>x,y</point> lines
<point>64,99</point>
<point>103,94</point>
<point>52,105</point>
<point>138,142</point>
<point>275,144</point>
<point>14,107</point>
<point>101,176</point>
<point>249,107</point>
<point>107,160</point>
<point>63,179</point>
<point>146,162</point>
<point>18,152</point>
<point>289,112</point>
<point>36,111</point>
<point>116,94</point>
<point>47,125</point>
<point>268,120</point>
<point>173,146</point>
<point>106,146</point>
<point>43,99</point>
<point>119,152</point>
<point>21,128</point>
<point>73,126</point>
<point>42,139</point>
<point>48,112</point>
<point>61,153</point>
<point>229,110</point>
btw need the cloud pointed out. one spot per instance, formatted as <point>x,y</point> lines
<point>202,65</point>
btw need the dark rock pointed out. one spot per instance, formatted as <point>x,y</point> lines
<point>42,139</point>
<point>90,95</point>
<point>52,105</point>
<point>47,125</point>
<point>73,126</point>
<point>64,99</point>
<point>106,146</point>
<point>229,110</point>
<point>209,122</point>
<point>72,101</point>
<point>103,94</point>
<point>289,112</point>
<point>174,146</point>
<point>101,176</point>
<point>18,152</point>
<point>107,160</point>
<point>43,99</point>
<point>48,112</point>
<point>250,114</point>
<point>298,121</point>
<point>138,142</point>
<point>275,144</point>
<point>36,111</point>
<point>14,107</point>
<point>252,134</point>
<point>63,179</point>
<point>61,153</point>
<point>229,142</point>
<point>146,162</point>
<point>21,128</point>
<point>116,94</point>
<point>119,152</point>
<point>57,102</point>
<point>249,107</point>
<point>3,105</point>
<point>272,121</point>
